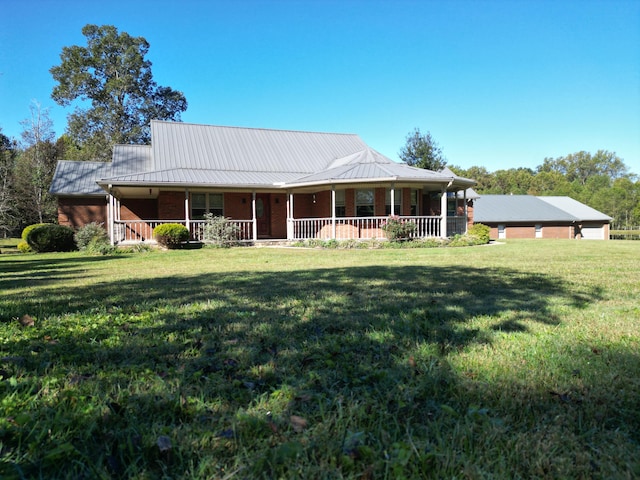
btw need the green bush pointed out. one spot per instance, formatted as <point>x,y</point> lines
<point>27,230</point>
<point>220,231</point>
<point>91,234</point>
<point>24,247</point>
<point>397,229</point>
<point>51,238</point>
<point>171,235</point>
<point>480,231</point>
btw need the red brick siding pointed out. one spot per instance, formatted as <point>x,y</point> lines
<point>279,215</point>
<point>138,209</point>
<point>78,211</point>
<point>557,231</point>
<point>171,205</point>
<point>234,208</point>
<point>303,205</point>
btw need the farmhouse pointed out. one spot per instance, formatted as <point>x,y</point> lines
<point>527,216</point>
<point>273,184</point>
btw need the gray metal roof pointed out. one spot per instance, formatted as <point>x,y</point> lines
<point>188,154</point>
<point>129,159</point>
<point>577,209</point>
<point>524,208</point>
<point>195,177</point>
<point>79,178</point>
<point>209,147</point>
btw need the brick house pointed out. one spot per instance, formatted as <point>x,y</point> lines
<point>273,184</point>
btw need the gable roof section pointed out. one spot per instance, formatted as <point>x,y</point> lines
<point>79,178</point>
<point>528,208</point>
<point>129,159</point>
<point>577,209</point>
<point>209,147</point>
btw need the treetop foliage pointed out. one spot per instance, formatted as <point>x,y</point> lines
<point>113,76</point>
<point>422,151</point>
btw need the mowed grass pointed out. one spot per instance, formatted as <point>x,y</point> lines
<point>519,360</point>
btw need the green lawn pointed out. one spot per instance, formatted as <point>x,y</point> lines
<point>519,360</point>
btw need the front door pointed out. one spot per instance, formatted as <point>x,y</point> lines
<point>263,214</point>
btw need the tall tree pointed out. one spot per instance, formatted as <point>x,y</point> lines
<point>35,166</point>
<point>112,75</point>
<point>582,165</point>
<point>8,213</point>
<point>422,151</point>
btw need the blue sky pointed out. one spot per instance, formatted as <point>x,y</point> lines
<point>499,84</point>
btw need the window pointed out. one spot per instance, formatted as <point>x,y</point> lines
<point>364,203</point>
<point>202,203</point>
<point>414,202</point>
<point>538,231</point>
<point>452,203</point>
<point>198,205</point>
<point>397,200</point>
<point>341,210</point>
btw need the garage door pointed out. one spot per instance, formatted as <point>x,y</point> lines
<point>593,232</point>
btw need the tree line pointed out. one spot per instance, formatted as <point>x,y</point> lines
<point>600,180</point>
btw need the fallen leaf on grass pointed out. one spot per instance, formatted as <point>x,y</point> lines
<point>298,423</point>
<point>27,321</point>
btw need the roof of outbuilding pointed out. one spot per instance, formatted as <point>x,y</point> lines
<point>576,208</point>
<point>529,208</point>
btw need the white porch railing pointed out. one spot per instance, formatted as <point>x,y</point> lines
<point>244,229</point>
<point>134,231</point>
<point>346,228</point>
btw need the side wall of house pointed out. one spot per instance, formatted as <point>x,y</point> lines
<point>78,211</point>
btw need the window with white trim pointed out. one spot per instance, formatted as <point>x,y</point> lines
<point>365,203</point>
<point>414,202</point>
<point>341,206</point>
<point>202,203</point>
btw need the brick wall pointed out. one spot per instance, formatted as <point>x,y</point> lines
<point>557,231</point>
<point>78,211</point>
<point>139,209</point>
<point>237,205</point>
<point>279,215</point>
<point>171,205</point>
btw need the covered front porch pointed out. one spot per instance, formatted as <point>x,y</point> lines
<point>341,213</point>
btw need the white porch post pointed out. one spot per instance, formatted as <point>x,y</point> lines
<point>290,228</point>
<point>333,212</point>
<point>464,209</point>
<point>443,212</point>
<point>255,218</point>
<point>187,220</point>
<point>393,199</point>
<point>110,217</point>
